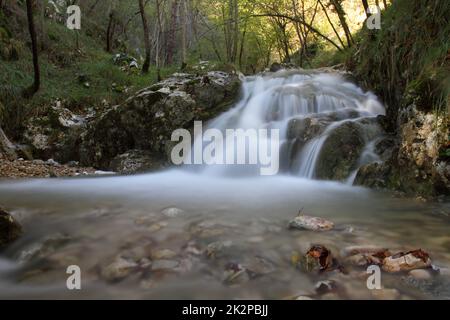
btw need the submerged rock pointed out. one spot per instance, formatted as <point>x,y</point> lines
<point>385,294</point>
<point>327,286</point>
<point>363,256</point>
<point>318,259</point>
<point>172,212</point>
<point>303,222</point>
<point>118,270</point>
<point>10,229</point>
<point>411,260</point>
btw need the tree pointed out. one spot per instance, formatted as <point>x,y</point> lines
<point>183,34</point>
<point>146,64</point>
<point>34,48</point>
<point>172,31</point>
<point>341,14</point>
<point>366,7</point>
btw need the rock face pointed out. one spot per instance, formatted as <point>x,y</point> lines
<point>414,163</point>
<point>55,133</point>
<point>10,230</point>
<point>136,161</point>
<point>146,121</point>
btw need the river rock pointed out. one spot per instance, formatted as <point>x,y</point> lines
<point>411,260</point>
<point>165,265</point>
<point>147,120</point>
<point>163,254</point>
<point>327,286</point>
<point>10,229</point>
<point>118,270</point>
<point>303,222</point>
<point>386,294</point>
<point>420,274</point>
<point>365,255</point>
<point>172,212</point>
<point>319,259</point>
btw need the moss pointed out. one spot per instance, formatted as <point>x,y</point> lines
<point>407,59</point>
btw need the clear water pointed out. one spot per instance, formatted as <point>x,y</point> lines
<point>90,222</point>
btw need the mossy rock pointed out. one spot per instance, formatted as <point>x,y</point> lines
<point>340,152</point>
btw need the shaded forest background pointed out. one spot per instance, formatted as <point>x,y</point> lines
<point>409,53</point>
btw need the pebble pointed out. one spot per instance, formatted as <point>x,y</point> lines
<point>386,294</point>
<point>327,286</point>
<point>164,264</point>
<point>172,212</point>
<point>163,254</point>
<point>420,274</point>
<point>118,270</point>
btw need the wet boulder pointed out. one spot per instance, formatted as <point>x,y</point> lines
<point>147,120</point>
<point>10,229</point>
<point>340,153</point>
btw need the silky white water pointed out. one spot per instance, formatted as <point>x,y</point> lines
<point>273,101</point>
<point>91,222</point>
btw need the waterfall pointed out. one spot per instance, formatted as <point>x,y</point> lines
<point>284,99</point>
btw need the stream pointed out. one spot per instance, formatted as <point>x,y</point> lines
<point>185,233</point>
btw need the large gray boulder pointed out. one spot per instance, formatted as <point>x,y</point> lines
<point>147,119</point>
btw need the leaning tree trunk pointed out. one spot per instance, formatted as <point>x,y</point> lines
<point>341,14</point>
<point>34,47</point>
<point>146,65</point>
<point>366,8</point>
<point>6,147</point>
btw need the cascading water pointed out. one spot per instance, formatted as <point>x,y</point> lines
<point>172,234</point>
<point>279,100</point>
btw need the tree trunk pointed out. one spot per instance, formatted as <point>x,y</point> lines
<point>109,31</point>
<point>34,46</point>
<point>235,17</point>
<point>366,8</point>
<point>6,147</point>
<point>158,41</point>
<point>331,24</point>
<point>146,64</point>
<point>172,31</point>
<point>341,14</point>
<point>183,35</point>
